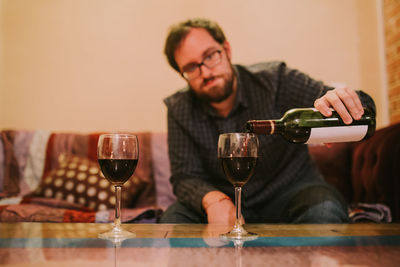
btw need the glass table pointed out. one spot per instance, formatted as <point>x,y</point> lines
<point>76,244</point>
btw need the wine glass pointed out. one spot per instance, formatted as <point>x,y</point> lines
<point>118,155</point>
<point>238,155</point>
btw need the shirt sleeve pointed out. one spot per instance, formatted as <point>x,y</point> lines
<point>297,89</point>
<point>188,177</point>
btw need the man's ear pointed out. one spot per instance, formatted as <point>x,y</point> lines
<point>226,45</point>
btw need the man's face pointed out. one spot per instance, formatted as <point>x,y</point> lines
<point>213,84</point>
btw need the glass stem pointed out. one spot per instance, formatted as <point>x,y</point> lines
<point>238,204</point>
<point>238,252</point>
<point>117,220</point>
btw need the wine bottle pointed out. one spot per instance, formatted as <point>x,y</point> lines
<point>308,125</point>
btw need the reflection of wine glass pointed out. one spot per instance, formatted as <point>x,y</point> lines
<point>238,252</point>
<point>238,155</point>
<point>118,155</point>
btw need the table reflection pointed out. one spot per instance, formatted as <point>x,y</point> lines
<point>198,245</point>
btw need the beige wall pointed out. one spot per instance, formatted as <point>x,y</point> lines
<point>91,65</point>
<point>392,40</point>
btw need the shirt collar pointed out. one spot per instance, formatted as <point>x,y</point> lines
<point>241,100</point>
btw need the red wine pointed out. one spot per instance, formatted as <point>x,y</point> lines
<point>238,170</point>
<point>118,171</point>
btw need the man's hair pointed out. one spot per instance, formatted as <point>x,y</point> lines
<point>179,31</point>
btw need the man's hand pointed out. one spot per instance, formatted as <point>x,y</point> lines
<point>219,208</point>
<point>344,101</point>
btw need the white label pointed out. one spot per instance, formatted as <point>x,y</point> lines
<point>337,134</point>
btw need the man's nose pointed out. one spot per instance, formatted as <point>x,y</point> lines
<point>205,71</point>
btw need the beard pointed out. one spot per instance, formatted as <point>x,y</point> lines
<point>217,94</point>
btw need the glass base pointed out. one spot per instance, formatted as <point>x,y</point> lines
<point>117,235</point>
<point>238,233</point>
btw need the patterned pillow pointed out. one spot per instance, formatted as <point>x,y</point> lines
<point>78,180</point>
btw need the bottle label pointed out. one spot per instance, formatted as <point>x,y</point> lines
<point>325,135</point>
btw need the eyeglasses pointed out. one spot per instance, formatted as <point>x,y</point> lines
<point>194,70</point>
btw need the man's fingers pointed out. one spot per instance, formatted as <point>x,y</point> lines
<point>323,106</point>
<point>344,101</point>
<point>332,100</point>
<point>357,110</point>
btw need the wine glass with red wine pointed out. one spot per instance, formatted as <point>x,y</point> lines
<point>118,155</point>
<point>238,154</point>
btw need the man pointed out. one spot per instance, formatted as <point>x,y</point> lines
<point>220,97</point>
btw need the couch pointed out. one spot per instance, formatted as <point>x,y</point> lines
<point>54,177</point>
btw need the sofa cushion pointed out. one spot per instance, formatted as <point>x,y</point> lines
<point>161,169</point>
<point>79,180</point>
<point>85,146</point>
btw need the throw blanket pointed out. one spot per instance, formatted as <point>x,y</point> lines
<point>364,212</point>
<point>54,210</point>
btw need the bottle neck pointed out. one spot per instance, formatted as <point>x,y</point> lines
<point>264,126</point>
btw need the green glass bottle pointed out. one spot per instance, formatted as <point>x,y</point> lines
<point>308,125</point>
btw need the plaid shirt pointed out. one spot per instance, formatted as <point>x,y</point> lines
<point>264,91</point>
